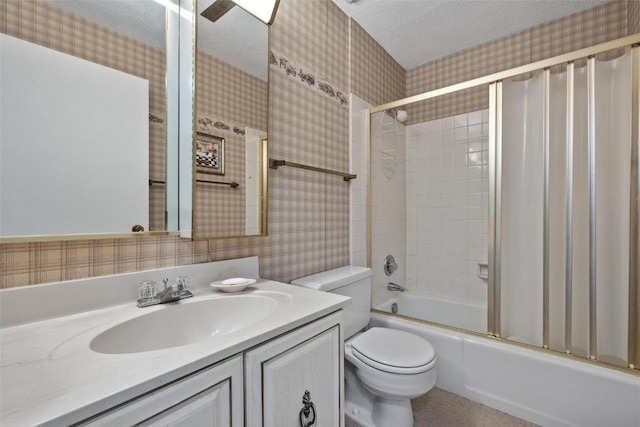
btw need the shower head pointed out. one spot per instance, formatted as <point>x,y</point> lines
<point>401,115</point>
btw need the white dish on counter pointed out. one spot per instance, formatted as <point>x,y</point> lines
<point>236,284</point>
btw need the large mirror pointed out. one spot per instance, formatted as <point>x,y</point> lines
<point>86,118</point>
<point>230,137</point>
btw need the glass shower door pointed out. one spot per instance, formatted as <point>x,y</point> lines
<point>564,196</point>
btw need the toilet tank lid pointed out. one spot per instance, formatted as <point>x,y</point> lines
<point>333,279</point>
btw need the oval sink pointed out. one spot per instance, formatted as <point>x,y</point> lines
<point>184,323</point>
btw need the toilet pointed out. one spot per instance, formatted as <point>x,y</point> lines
<point>384,368</point>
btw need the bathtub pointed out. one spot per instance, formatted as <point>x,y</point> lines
<point>470,317</point>
<point>536,385</point>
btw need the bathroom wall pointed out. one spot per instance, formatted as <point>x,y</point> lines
<point>633,16</point>
<point>609,21</point>
<point>375,76</point>
<point>447,207</point>
<point>308,216</point>
<point>308,212</point>
<point>306,220</point>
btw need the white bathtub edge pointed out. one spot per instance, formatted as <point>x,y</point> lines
<point>542,388</point>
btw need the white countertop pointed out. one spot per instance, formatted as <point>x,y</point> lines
<point>49,374</point>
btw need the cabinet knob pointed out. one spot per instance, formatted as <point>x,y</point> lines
<point>307,414</point>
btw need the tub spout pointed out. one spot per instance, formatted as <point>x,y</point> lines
<point>394,287</point>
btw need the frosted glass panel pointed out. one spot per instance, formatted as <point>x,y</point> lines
<point>613,137</point>
<point>557,208</point>
<point>580,259</point>
<point>522,211</point>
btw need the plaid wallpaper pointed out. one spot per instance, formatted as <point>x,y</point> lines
<point>634,16</point>
<point>308,212</point>
<point>238,99</point>
<point>608,21</point>
<point>307,127</point>
<point>375,76</point>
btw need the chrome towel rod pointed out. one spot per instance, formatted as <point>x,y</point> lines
<point>274,164</point>
<point>230,184</point>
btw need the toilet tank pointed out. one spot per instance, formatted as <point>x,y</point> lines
<point>351,281</point>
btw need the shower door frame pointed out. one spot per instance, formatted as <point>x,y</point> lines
<point>495,187</point>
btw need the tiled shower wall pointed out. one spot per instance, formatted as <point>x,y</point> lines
<point>447,207</point>
<point>308,213</point>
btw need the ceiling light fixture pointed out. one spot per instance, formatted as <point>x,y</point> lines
<point>264,10</point>
<point>218,9</point>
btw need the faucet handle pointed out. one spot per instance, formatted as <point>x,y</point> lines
<point>183,282</point>
<point>165,281</point>
<point>390,265</point>
<point>146,289</point>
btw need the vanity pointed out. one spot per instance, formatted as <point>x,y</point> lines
<point>82,353</point>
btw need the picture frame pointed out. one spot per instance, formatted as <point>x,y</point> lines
<point>209,157</point>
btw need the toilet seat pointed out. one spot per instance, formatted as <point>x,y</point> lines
<point>393,351</point>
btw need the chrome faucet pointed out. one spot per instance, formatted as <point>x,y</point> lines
<point>394,287</point>
<point>175,292</point>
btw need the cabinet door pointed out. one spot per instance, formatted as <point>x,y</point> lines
<point>210,397</point>
<point>302,366</point>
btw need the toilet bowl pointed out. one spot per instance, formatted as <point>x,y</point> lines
<point>394,367</point>
<point>384,368</point>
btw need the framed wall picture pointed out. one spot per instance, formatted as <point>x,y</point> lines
<point>209,154</point>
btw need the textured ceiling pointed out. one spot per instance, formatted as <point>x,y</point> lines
<point>415,32</point>
<point>238,38</point>
<point>142,20</point>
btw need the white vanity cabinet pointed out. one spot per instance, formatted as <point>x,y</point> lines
<point>296,380</point>
<point>211,397</point>
<point>232,360</point>
<point>285,382</point>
